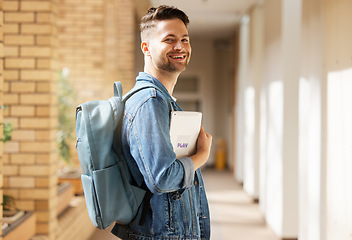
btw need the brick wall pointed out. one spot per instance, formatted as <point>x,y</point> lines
<point>30,86</point>
<point>95,40</point>
<point>1,103</point>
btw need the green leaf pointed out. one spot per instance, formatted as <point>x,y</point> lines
<point>7,131</point>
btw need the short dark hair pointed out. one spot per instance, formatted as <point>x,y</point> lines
<point>160,13</point>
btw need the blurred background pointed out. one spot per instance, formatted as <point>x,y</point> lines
<point>273,79</point>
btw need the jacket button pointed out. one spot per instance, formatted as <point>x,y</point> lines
<point>195,183</point>
<point>176,196</point>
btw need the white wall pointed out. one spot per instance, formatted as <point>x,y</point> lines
<point>337,195</point>
<point>305,167</point>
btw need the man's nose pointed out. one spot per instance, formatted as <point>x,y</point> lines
<point>178,45</point>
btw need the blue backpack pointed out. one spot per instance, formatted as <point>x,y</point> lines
<point>107,182</point>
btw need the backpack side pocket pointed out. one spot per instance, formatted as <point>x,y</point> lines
<point>116,197</point>
<point>91,200</point>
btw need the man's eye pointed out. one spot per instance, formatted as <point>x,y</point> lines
<point>185,40</point>
<point>168,40</point>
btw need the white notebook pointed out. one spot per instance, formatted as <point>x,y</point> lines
<point>184,131</point>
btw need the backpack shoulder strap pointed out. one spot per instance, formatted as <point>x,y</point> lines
<point>136,89</point>
<point>118,89</point>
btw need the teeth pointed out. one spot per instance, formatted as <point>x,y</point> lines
<point>178,57</point>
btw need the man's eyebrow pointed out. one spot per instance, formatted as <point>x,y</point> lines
<point>173,35</point>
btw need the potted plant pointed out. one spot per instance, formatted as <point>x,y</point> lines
<point>16,224</point>
<point>10,211</point>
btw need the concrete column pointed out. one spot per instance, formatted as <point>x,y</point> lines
<point>241,82</point>
<point>291,35</point>
<point>252,103</point>
<point>279,198</point>
<point>310,121</point>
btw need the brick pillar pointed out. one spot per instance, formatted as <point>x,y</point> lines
<point>30,93</point>
<point>1,103</point>
<point>126,43</point>
<point>96,43</point>
<point>81,47</point>
<point>120,46</point>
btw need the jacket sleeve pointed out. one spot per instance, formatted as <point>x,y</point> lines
<point>150,146</point>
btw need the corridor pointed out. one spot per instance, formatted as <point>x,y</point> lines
<point>234,215</point>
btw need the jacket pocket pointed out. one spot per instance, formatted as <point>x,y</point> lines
<point>177,213</point>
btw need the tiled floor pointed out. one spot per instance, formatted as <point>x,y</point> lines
<point>234,215</point>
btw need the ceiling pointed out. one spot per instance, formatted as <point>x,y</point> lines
<point>211,18</point>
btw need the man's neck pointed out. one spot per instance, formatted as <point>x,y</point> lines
<point>166,78</point>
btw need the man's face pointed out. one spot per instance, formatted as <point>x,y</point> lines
<point>169,46</point>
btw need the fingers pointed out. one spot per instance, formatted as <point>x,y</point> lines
<point>201,128</point>
<point>208,135</point>
<point>203,132</point>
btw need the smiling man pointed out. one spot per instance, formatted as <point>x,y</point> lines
<point>176,206</point>
<point>166,47</point>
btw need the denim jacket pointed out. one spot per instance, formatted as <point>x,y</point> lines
<point>178,208</point>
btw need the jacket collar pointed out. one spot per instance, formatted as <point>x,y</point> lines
<point>146,77</point>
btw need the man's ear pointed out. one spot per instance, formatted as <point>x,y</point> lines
<point>145,48</point>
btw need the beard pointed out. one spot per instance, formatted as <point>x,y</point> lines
<point>166,65</point>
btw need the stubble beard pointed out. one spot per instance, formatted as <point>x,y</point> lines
<point>168,66</point>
